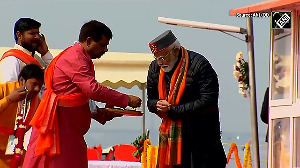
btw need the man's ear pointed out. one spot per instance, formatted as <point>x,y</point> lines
<point>22,81</point>
<point>19,35</point>
<point>89,41</point>
<point>176,50</point>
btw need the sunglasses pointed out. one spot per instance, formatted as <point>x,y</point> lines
<point>162,58</point>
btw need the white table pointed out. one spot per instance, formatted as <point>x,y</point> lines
<point>113,164</point>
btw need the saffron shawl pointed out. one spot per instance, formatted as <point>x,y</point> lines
<point>27,59</point>
<point>170,139</point>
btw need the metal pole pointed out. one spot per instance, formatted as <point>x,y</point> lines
<point>143,107</point>
<point>252,84</point>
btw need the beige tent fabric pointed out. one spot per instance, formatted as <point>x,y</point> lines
<point>117,69</point>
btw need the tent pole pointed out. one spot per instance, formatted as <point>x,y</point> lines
<point>143,107</point>
<point>252,83</point>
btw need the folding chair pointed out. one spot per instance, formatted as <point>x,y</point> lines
<point>92,154</point>
<point>125,153</point>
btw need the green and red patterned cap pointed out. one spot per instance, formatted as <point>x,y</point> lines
<point>162,41</point>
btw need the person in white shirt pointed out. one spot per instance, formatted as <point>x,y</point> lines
<point>29,40</point>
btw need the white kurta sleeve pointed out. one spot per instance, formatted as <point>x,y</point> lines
<point>47,58</point>
<point>9,69</point>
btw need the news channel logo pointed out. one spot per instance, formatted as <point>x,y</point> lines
<point>281,20</point>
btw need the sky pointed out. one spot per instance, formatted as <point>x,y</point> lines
<point>134,24</point>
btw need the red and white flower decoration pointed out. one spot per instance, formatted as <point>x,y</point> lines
<point>241,73</point>
<point>139,144</point>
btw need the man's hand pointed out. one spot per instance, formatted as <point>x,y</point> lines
<point>163,106</point>
<point>102,116</point>
<point>43,47</point>
<point>134,101</point>
<point>17,95</point>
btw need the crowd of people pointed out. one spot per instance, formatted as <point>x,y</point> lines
<point>182,90</point>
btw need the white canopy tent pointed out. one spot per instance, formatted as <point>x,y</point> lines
<point>118,69</point>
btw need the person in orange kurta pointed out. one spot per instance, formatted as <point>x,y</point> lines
<point>12,95</point>
<point>63,116</point>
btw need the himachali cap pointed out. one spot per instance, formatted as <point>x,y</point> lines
<point>162,41</point>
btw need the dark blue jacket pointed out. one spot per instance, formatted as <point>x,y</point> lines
<point>197,109</point>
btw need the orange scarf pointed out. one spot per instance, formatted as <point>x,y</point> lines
<point>34,103</point>
<point>27,59</point>
<point>170,131</point>
<point>45,118</point>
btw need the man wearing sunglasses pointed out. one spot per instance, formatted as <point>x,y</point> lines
<point>183,91</point>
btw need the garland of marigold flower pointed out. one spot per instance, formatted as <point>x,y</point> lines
<point>19,137</point>
<point>144,154</point>
<point>241,73</point>
<point>148,158</point>
<point>233,149</point>
<point>149,155</point>
<point>19,148</point>
<point>247,157</point>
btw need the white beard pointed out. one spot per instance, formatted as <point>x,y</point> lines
<point>168,68</point>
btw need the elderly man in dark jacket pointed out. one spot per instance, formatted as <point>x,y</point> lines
<point>183,91</point>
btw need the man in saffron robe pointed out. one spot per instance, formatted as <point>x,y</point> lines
<point>28,41</point>
<point>63,116</point>
<point>11,95</point>
<point>183,91</point>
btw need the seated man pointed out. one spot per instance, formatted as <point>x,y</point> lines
<point>15,97</point>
